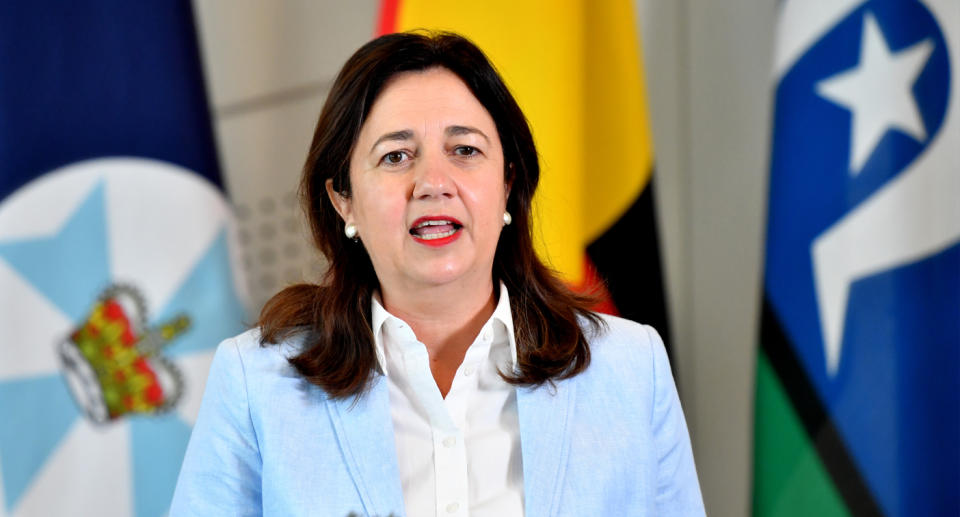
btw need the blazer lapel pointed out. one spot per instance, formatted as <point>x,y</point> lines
<point>544,414</point>
<point>365,435</point>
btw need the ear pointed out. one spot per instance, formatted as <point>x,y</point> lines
<point>340,202</point>
<point>508,180</point>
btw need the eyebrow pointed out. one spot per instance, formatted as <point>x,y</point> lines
<point>404,134</point>
<point>465,130</point>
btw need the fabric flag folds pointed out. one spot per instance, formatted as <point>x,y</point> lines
<point>116,281</point>
<point>858,374</point>
<point>576,71</point>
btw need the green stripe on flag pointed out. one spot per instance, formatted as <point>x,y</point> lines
<point>788,477</point>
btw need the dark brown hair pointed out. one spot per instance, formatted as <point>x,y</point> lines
<point>339,353</point>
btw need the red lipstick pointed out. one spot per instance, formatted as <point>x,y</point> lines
<point>436,230</point>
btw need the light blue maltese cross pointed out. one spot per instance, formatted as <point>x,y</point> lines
<point>70,269</point>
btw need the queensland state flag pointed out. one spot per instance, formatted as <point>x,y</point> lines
<point>116,281</point>
<point>858,375</point>
<point>575,68</point>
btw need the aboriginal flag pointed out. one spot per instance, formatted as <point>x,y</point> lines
<point>858,373</point>
<point>575,68</point>
<point>116,279</point>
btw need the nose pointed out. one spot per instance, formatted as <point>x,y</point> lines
<point>432,179</point>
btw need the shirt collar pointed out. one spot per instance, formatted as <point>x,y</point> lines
<point>501,314</point>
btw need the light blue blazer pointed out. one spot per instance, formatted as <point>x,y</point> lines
<point>610,441</point>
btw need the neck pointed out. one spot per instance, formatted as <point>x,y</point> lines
<point>445,318</point>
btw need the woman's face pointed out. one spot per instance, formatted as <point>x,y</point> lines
<point>427,177</point>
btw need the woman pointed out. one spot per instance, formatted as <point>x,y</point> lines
<point>440,368</point>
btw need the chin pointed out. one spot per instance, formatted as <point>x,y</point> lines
<point>438,278</point>
<point>441,274</point>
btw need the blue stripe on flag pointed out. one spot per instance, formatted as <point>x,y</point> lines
<point>100,78</point>
<point>81,84</point>
<point>872,316</point>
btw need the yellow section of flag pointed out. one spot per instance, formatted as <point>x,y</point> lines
<point>575,69</point>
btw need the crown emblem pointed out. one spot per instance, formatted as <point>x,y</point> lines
<point>113,363</point>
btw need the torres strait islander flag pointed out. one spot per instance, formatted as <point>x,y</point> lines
<point>115,254</point>
<point>858,374</point>
<point>575,69</point>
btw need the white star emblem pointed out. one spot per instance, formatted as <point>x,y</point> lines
<point>913,215</point>
<point>878,92</point>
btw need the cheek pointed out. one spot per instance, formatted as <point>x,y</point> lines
<point>488,212</point>
<point>375,205</point>
<point>486,196</point>
<point>380,218</point>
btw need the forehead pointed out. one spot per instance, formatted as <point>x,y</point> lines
<point>425,100</point>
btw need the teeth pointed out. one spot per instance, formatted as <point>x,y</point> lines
<point>436,235</point>
<point>433,223</point>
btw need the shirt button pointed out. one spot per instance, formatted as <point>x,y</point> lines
<point>449,441</point>
<point>453,507</point>
<point>486,335</point>
<point>468,371</point>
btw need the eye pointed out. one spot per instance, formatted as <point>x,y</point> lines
<point>465,150</point>
<point>394,158</point>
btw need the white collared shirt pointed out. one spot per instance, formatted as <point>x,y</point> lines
<point>458,455</point>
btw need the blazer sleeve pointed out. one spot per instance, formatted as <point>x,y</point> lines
<point>221,470</point>
<point>678,491</point>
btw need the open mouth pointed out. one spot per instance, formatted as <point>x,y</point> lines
<point>435,230</point>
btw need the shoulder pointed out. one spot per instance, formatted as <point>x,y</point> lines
<point>627,396</point>
<point>255,382</point>
<point>626,355</point>
<point>619,339</point>
<point>251,347</point>
<point>245,357</point>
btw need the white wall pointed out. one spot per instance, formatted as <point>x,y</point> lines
<point>708,70</point>
<point>268,68</point>
<point>269,65</point>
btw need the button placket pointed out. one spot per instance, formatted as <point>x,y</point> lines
<point>447,423</point>
<point>450,471</point>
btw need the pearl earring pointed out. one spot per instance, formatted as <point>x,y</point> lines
<point>350,230</point>
<point>507,218</point>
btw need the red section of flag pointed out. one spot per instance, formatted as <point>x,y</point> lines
<point>387,22</point>
<point>593,285</point>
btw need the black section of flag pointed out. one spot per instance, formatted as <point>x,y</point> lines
<point>816,421</point>
<point>627,258</point>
